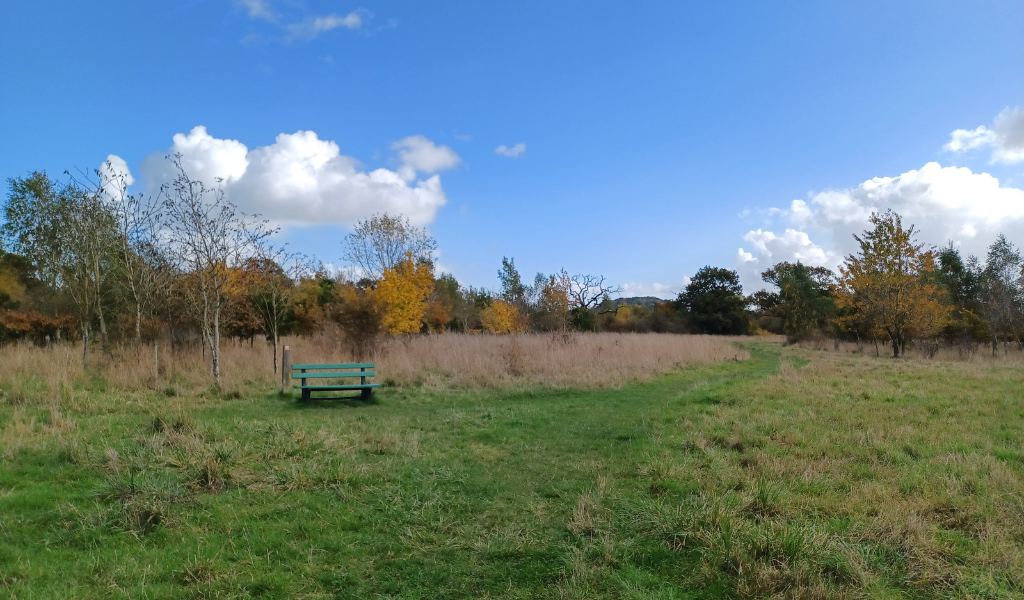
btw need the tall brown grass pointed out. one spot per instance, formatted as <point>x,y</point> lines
<point>1007,355</point>
<point>578,360</point>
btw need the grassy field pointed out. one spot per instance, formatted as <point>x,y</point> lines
<point>793,473</point>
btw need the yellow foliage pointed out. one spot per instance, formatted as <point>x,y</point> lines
<point>890,284</point>
<point>501,317</point>
<point>402,294</point>
<point>624,315</point>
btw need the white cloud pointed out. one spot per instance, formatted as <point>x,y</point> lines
<point>770,248</point>
<point>301,179</point>
<point>417,153</point>
<point>311,27</point>
<point>511,152</point>
<point>257,9</point>
<point>115,168</point>
<point>1006,137</point>
<point>664,291</point>
<point>943,203</point>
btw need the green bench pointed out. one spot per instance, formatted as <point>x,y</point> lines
<point>305,372</point>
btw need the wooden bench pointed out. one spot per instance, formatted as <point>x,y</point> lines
<point>305,372</point>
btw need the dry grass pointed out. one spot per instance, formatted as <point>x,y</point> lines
<point>586,361</point>
<point>1006,355</point>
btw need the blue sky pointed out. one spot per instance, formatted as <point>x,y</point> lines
<point>658,137</point>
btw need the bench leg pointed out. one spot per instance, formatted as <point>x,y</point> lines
<point>365,393</point>
<point>306,397</point>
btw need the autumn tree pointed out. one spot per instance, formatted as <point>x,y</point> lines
<point>891,282</point>
<point>382,242</point>
<point>271,277</point>
<point>501,317</point>
<point>402,293</point>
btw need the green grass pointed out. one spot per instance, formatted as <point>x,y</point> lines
<point>791,474</point>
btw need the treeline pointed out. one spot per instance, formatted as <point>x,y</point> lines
<point>90,262</point>
<point>894,290</point>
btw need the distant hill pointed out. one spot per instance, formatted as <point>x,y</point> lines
<point>648,301</point>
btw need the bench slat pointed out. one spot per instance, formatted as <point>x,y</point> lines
<point>337,387</point>
<point>348,366</point>
<point>323,375</point>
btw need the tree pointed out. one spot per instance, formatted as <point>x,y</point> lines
<point>891,282</point>
<point>1003,291</point>
<point>360,319</point>
<point>586,294</point>
<point>501,317</point>
<point>402,293</point>
<point>383,241</point>
<point>271,277</point>
<point>512,289</point>
<point>205,233</point>
<point>143,273</point>
<point>963,282</point>
<point>714,303</point>
<point>67,232</point>
<point>822,277</point>
<point>804,301</point>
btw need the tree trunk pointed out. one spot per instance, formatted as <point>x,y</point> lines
<point>215,346</point>
<point>138,323</point>
<point>895,348</point>
<point>103,324</point>
<point>85,343</point>
<point>275,352</point>
<point>995,346</point>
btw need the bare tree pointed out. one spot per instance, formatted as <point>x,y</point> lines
<point>383,241</point>
<point>206,234</point>
<point>587,292</point>
<point>143,272</point>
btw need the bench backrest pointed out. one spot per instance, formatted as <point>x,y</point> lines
<point>305,372</point>
<point>325,367</point>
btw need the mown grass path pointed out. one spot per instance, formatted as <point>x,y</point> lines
<point>754,478</point>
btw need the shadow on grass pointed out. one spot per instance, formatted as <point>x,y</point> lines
<point>296,402</point>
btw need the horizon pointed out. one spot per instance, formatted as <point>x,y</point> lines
<point>639,144</point>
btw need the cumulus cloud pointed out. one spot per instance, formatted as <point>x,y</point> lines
<point>944,203</point>
<point>511,152</point>
<point>311,27</point>
<point>771,248</point>
<point>301,179</point>
<point>1005,138</point>
<point>418,154</point>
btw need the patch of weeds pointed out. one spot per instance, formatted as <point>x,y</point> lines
<point>177,424</point>
<point>196,571</point>
<point>170,391</point>
<point>765,500</point>
<point>209,476</point>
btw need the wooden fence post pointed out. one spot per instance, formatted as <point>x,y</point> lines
<point>286,368</point>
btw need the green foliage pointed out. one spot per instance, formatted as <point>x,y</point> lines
<point>805,298</point>
<point>713,302</point>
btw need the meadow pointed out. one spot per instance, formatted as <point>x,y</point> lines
<point>743,469</point>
